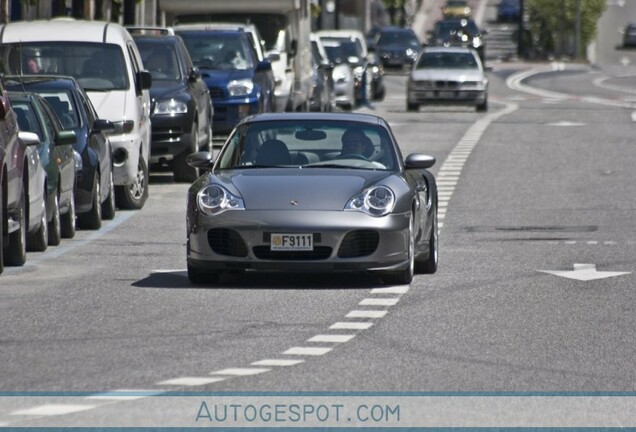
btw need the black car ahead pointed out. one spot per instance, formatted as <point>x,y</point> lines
<point>397,47</point>
<point>459,32</point>
<point>56,153</point>
<point>94,189</point>
<point>182,111</point>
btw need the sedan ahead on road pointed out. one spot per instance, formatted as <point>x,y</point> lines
<point>447,76</point>
<point>397,47</point>
<point>312,192</point>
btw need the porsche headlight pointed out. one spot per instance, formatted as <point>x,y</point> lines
<point>376,201</point>
<point>170,107</point>
<point>241,87</point>
<point>214,199</point>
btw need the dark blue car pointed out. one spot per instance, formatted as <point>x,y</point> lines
<point>239,84</point>
<point>508,10</point>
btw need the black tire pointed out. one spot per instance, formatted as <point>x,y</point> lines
<point>184,173</point>
<point>55,226</point>
<point>92,219</point>
<point>199,277</point>
<point>483,107</point>
<point>411,107</point>
<point>108,206</point>
<point>15,255</point>
<point>67,220</point>
<point>39,240</point>
<point>3,216</point>
<point>429,265</point>
<point>134,196</point>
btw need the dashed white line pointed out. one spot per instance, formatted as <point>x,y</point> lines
<point>335,338</point>
<point>278,362</point>
<point>191,381</point>
<point>351,325</point>
<point>309,351</point>
<point>366,314</point>
<point>379,302</point>
<point>53,410</point>
<point>124,394</point>
<point>240,371</point>
<point>398,289</point>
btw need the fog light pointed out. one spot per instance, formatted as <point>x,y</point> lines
<point>119,156</point>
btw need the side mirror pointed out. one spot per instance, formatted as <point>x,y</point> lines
<point>65,137</point>
<point>419,161</point>
<point>103,125</point>
<point>202,159</point>
<point>195,74</point>
<point>144,79</point>
<point>29,138</point>
<point>273,56</point>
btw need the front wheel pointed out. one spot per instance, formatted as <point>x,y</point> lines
<point>93,218</point>
<point>134,195</point>
<point>39,240</point>
<point>108,206</point>
<point>182,171</point>
<point>55,227</point>
<point>404,276</point>
<point>16,251</point>
<point>429,265</point>
<point>412,107</point>
<point>67,220</point>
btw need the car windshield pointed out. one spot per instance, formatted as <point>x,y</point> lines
<point>405,39</point>
<point>96,66</point>
<point>160,60</point>
<point>349,47</point>
<point>62,104</point>
<point>309,144</point>
<point>447,60</point>
<point>217,50</point>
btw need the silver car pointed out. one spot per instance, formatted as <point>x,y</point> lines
<point>447,76</point>
<point>312,192</point>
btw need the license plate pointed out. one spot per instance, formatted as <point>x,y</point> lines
<point>447,94</point>
<point>292,242</point>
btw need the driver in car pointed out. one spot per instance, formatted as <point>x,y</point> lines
<point>356,143</point>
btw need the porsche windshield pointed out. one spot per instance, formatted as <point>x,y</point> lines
<point>310,144</point>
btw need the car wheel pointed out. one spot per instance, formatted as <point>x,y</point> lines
<point>92,219</point>
<point>482,107</point>
<point>39,240</point>
<point>134,195</point>
<point>108,206</point>
<point>2,215</point>
<point>67,220</point>
<point>411,107</point>
<point>182,171</point>
<point>429,266</point>
<point>198,277</point>
<point>16,251</point>
<point>55,228</point>
<point>404,276</point>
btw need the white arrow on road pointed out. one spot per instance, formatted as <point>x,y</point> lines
<point>584,272</point>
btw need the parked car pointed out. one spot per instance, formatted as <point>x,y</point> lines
<point>22,180</point>
<point>345,200</point>
<point>629,35</point>
<point>457,9</point>
<point>341,75</point>
<point>508,10</point>
<point>323,93</point>
<point>447,76</point>
<point>459,32</point>
<point>182,108</point>
<point>104,59</point>
<point>239,84</point>
<point>397,47</point>
<point>94,188</point>
<point>60,162</point>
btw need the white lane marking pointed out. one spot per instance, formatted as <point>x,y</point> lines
<point>379,302</point>
<point>366,314</point>
<point>124,394</point>
<point>308,351</point>
<point>634,116</point>
<point>191,381</point>
<point>351,325</point>
<point>335,338</point>
<point>53,410</point>
<point>277,362</point>
<point>398,289</point>
<point>240,371</point>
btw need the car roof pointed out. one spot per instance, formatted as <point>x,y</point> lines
<point>51,81</point>
<point>63,29</point>
<point>298,116</point>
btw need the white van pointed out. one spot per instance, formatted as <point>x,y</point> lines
<point>103,57</point>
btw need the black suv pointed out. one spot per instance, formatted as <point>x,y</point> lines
<point>459,32</point>
<point>182,111</point>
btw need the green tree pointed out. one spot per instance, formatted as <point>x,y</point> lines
<point>554,23</point>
